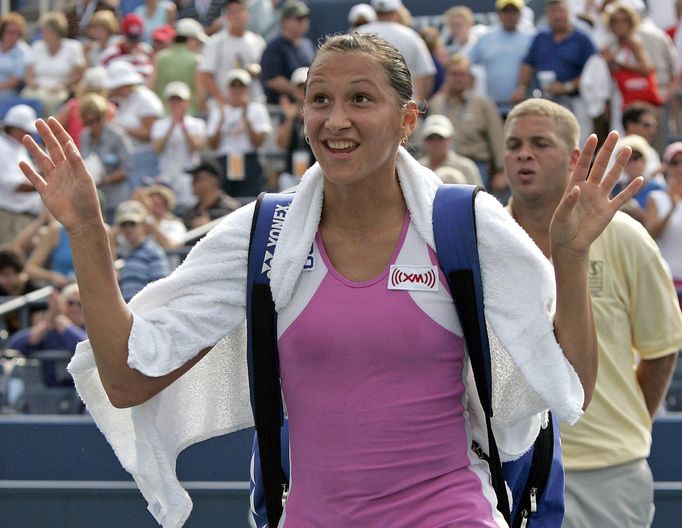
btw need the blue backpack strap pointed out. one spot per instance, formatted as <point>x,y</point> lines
<point>262,356</point>
<point>454,230</point>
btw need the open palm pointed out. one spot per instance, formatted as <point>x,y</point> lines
<point>66,187</point>
<point>586,207</point>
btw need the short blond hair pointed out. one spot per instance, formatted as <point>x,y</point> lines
<point>93,104</point>
<point>622,7</point>
<point>56,21</point>
<point>568,126</point>
<point>105,19</point>
<point>463,12</point>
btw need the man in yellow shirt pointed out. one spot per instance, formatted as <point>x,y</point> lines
<point>638,321</point>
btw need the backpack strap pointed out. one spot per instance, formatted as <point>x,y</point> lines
<point>454,229</point>
<point>262,355</point>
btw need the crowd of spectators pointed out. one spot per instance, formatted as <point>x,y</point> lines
<point>191,108</point>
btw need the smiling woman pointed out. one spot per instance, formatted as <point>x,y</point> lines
<point>374,379</point>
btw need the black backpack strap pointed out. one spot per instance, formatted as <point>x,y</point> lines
<point>454,229</point>
<point>263,359</point>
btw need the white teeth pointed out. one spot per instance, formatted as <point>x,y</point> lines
<point>341,144</point>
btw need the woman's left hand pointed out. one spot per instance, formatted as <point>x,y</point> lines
<point>586,207</point>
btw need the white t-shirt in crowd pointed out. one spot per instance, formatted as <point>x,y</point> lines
<point>11,153</point>
<point>141,103</point>
<point>54,70</point>
<point>409,44</point>
<point>176,158</point>
<point>225,52</point>
<point>234,137</point>
<point>670,240</point>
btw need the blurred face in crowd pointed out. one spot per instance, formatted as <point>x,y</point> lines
<point>133,232</point>
<point>558,18</point>
<point>95,122</point>
<point>459,27</point>
<point>237,16</point>
<point>10,36</point>
<point>436,146</point>
<point>9,280</point>
<point>237,93</point>
<point>72,307</point>
<point>674,174</point>
<point>51,37</point>
<point>646,126</point>
<point>157,205</point>
<point>177,106</point>
<point>509,17</point>
<point>635,165</point>
<point>620,24</point>
<point>458,78</point>
<point>537,159</point>
<point>295,28</point>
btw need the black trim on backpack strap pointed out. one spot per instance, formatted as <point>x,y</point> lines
<point>538,476</point>
<point>461,285</point>
<point>266,396</point>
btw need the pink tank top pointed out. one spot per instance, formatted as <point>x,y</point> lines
<point>373,382</point>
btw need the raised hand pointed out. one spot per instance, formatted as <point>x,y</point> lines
<point>586,207</point>
<point>66,187</point>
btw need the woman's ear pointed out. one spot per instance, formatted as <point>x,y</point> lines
<point>410,118</point>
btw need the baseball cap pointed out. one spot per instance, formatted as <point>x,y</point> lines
<point>501,4</point>
<point>439,125</point>
<point>132,25</point>
<point>636,143</point>
<point>165,33</point>
<point>130,211</point>
<point>94,78</point>
<point>671,150</point>
<point>386,6</point>
<point>207,165</point>
<point>295,9</point>
<point>299,76</point>
<point>238,74</point>
<point>361,11</point>
<point>190,28</point>
<point>21,116</point>
<point>122,73</point>
<point>177,89</point>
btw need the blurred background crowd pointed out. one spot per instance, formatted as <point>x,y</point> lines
<point>184,110</point>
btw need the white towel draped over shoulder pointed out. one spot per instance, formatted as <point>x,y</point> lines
<point>203,303</point>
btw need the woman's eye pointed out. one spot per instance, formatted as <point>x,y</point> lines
<point>360,99</point>
<point>319,99</point>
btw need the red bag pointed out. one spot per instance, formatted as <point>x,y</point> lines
<point>636,87</point>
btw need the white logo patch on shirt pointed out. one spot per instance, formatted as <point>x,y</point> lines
<point>414,278</point>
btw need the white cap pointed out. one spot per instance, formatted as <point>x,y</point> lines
<point>21,116</point>
<point>386,6</point>
<point>188,27</point>
<point>240,75</point>
<point>299,76</point>
<point>358,11</point>
<point>94,78</point>
<point>439,125</point>
<point>122,73</point>
<point>177,89</point>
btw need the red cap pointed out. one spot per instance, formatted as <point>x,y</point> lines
<point>164,33</point>
<point>132,25</point>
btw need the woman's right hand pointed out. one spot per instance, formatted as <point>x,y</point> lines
<point>66,187</point>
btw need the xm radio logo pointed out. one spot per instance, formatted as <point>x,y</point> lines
<point>416,278</point>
